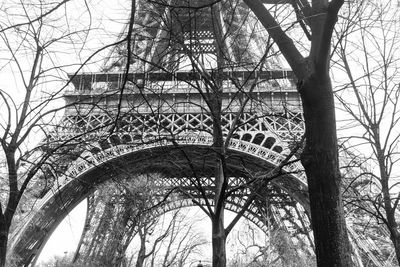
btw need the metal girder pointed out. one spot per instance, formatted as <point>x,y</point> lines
<point>164,118</point>
<point>99,248</point>
<point>277,2</point>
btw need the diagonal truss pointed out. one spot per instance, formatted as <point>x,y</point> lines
<point>162,116</point>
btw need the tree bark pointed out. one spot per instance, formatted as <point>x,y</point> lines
<point>218,243</point>
<point>4,232</point>
<point>320,155</point>
<point>395,238</point>
<point>320,160</point>
<point>387,201</point>
<point>142,251</point>
<point>13,200</point>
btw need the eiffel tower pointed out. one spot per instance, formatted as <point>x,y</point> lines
<point>152,119</point>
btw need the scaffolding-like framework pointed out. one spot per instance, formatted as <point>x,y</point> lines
<point>154,119</point>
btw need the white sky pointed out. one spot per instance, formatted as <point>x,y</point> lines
<point>108,19</point>
<point>65,238</point>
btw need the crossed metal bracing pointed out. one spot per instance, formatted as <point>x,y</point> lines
<point>165,31</point>
<point>73,190</point>
<point>373,239</point>
<point>31,237</point>
<point>162,112</point>
<point>256,134</point>
<point>186,191</point>
<point>267,130</point>
<point>98,243</point>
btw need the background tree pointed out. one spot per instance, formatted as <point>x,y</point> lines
<point>207,74</point>
<point>206,62</point>
<point>124,216</point>
<point>368,90</point>
<point>181,241</point>
<point>276,248</point>
<point>35,37</point>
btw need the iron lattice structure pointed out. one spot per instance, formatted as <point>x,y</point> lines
<point>157,119</point>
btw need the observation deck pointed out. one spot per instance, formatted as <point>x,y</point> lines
<point>183,92</point>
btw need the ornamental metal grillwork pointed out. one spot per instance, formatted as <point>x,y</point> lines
<point>90,248</point>
<point>157,119</point>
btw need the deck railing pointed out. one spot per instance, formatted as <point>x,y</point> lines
<point>179,81</point>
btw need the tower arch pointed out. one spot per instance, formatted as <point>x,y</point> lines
<point>165,122</point>
<point>93,169</point>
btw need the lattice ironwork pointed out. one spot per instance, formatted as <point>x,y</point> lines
<point>161,113</point>
<point>99,247</point>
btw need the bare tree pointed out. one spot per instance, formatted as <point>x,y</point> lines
<point>118,211</point>
<point>203,57</point>
<point>369,94</point>
<point>182,48</point>
<point>128,211</point>
<point>171,51</point>
<point>317,18</point>
<point>275,247</point>
<point>35,37</point>
<point>180,242</point>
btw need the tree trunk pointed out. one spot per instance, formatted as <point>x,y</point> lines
<point>320,155</point>
<point>395,237</point>
<point>3,242</point>
<point>320,160</point>
<point>387,201</point>
<point>5,223</point>
<point>218,242</point>
<point>142,252</point>
<point>140,260</point>
<point>221,183</point>
<point>4,234</point>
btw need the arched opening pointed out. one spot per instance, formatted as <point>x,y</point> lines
<point>114,140</point>
<point>104,144</point>
<point>247,137</point>
<point>137,137</point>
<point>235,136</point>
<point>95,150</point>
<point>126,138</point>
<point>269,142</point>
<point>258,138</point>
<point>138,161</point>
<point>180,230</point>
<point>65,238</point>
<point>277,149</point>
